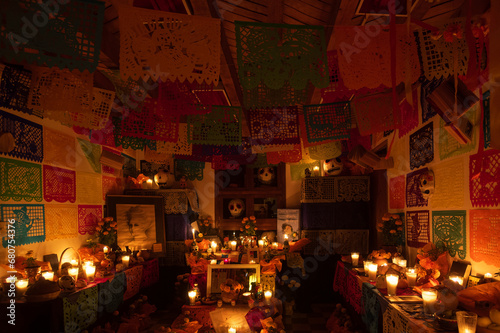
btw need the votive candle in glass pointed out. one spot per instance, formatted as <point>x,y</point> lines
<point>429,296</point>
<point>275,245</point>
<point>74,262</point>
<point>488,277</point>
<point>192,297</point>
<point>392,283</point>
<point>231,330</point>
<point>213,262</point>
<point>402,263</point>
<point>372,271</point>
<point>233,245</point>
<point>21,287</point>
<point>73,271</point>
<point>214,246</point>
<point>125,261</point>
<point>227,260</point>
<point>261,243</point>
<point>467,321</point>
<point>366,264</point>
<point>267,295</point>
<point>105,249</point>
<point>48,275</point>
<point>355,258</point>
<point>411,276</point>
<point>457,279</point>
<point>90,272</point>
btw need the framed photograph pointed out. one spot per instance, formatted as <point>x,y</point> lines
<point>242,273</point>
<point>288,223</point>
<point>140,222</point>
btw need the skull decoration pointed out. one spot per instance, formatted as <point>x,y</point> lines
<point>236,207</point>
<point>266,175</point>
<point>67,283</point>
<point>164,179</point>
<point>333,166</point>
<point>426,185</point>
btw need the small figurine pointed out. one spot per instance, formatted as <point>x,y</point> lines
<point>307,172</point>
<point>182,182</point>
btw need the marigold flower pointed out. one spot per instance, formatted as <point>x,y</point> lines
<point>105,233</point>
<point>245,219</point>
<point>252,218</point>
<point>381,225</point>
<point>243,222</point>
<point>392,231</point>
<point>200,235</point>
<point>400,229</point>
<point>247,226</point>
<point>108,219</point>
<point>379,230</point>
<point>398,222</point>
<point>241,229</point>
<point>255,228</point>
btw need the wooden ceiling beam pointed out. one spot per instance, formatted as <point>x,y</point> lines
<point>275,9</point>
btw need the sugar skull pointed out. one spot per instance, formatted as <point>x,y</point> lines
<point>67,283</point>
<point>333,166</point>
<point>266,175</point>
<point>236,207</point>
<point>164,179</point>
<point>426,185</point>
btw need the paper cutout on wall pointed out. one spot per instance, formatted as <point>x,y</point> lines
<point>111,185</point>
<point>28,137</point>
<point>277,126</point>
<point>105,136</point>
<point>422,146</point>
<point>397,192</point>
<point>427,87</point>
<point>20,180</point>
<point>417,228</point>
<point>29,223</point>
<point>272,70</point>
<point>61,221</point>
<point>374,113</point>
<point>484,236</point>
<point>130,92</point>
<point>325,151</point>
<point>449,146</point>
<point>80,309</point>
<point>178,98</point>
<point>486,119</point>
<point>181,147</point>
<point>409,115</point>
<point>368,63</point>
<point>59,184</point>
<point>67,35</point>
<point>448,229</point>
<point>168,46</point>
<point>356,139</point>
<point>127,141</point>
<point>414,196</point>
<point>88,188</point>
<point>59,149</point>
<point>88,217</point>
<point>220,127</point>
<point>327,121</point>
<point>193,170</point>
<point>286,156</point>
<point>15,88</point>
<point>92,152</point>
<point>484,178</point>
<point>442,58</point>
<point>449,186</point>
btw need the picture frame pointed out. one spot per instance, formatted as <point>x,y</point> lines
<point>140,222</point>
<point>212,271</point>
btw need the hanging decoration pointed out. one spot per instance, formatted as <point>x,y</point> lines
<point>367,62</point>
<point>286,156</point>
<point>61,221</point>
<point>88,188</point>
<point>374,113</point>
<point>483,236</point>
<point>179,98</point>
<point>154,156</point>
<point>422,146</point>
<point>486,119</point>
<point>80,309</point>
<point>105,136</point>
<point>129,166</point>
<point>297,171</point>
<point>325,151</point>
<point>449,146</point>
<point>111,293</point>
<point>414,196</point>
<point>28,137</point>
<point>88,217</point>
<point>55,91</point>
<point>448,229</point>
<point>220,127</point>
<point>92,152</point>
<point>484,175</point>
<point>130,92</point>
<point>20,180</point>
<point>276,126</point>
<point>449,189</point>
<point>127,141</point>
<point>102,102</point>
<point>59,149</point>
<point>446,53</point>
<point>397,192</point>
<point>417,228</point>
<point>59,184</point>
<point>192,170</point>
<point>273,71</point>
<point>164,45</point>
<point>357,139</point>
<point>14,88</point>
<point>111,185</point>
<point>409,115</point>
<point>181,147</point>
<point>67,35</point>
<point>134,276</point>
<point>29,223</point>
<point>327,121</point>
<point>426,89</point>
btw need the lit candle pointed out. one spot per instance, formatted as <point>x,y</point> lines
<point>429,296</point>
<point>457,279</point>
<point>252,261</point>
<point>192,297</point>
<point>411,276</point>
<point>392,283</point>
<point>74,262</point>
<point>233,245</point>
<point>227,260</point>
<point>395,260</point>
<point>193,234</point>
<point>275,245</point>
<point>213,262</point>
<point>73,271</point>
<point>267,295</point>
<point>354,258</point>
<point>149,183</point>
<point>261,243</point>
<point>402,263</point>
<point>231,330</point>
<point>286,237</point>
<point>214,246</point>
<point>488,277</point>
<point>90,271</point>
<point>366,263</point>
<point>466,321</point>
<point>48,275</point>
<point>105,249</point>
<point>372,271</point>
<point>316,170</point>
<point>21,287</point>
<point>125,261</point>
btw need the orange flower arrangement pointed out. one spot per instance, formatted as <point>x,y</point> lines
<point>249,226</point>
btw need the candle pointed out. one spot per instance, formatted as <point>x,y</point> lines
<point>233,245</point>
<point>275,245</point>
<point>48,275</point>
<point>366,263</point>
<point>252,261</point>
<point>267,295</point>
<point>261,243</point>
<point>372,271</point>
<point>395,260</point>
<point>213,262</point>
<point>466,321</point>
<point>90,272</point>
<point>392,283</point>
<point>73,262</point>
<point>193,234</point>
<point>286,237</point>
<point>402,263</point>
<point>231,330</point>
<point>411,276</point>
<point>73,271</point>
<point>316,170</point>
<point>192,297</point>
<point>21,287</point>
<point>457,279</point>
<point>214,246</point>
<point>488,275</point>
<point>125,261</point>
<point>354,258</point>
<point>429,296</point>
<point>149,183</point>
<point>227,260</point>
